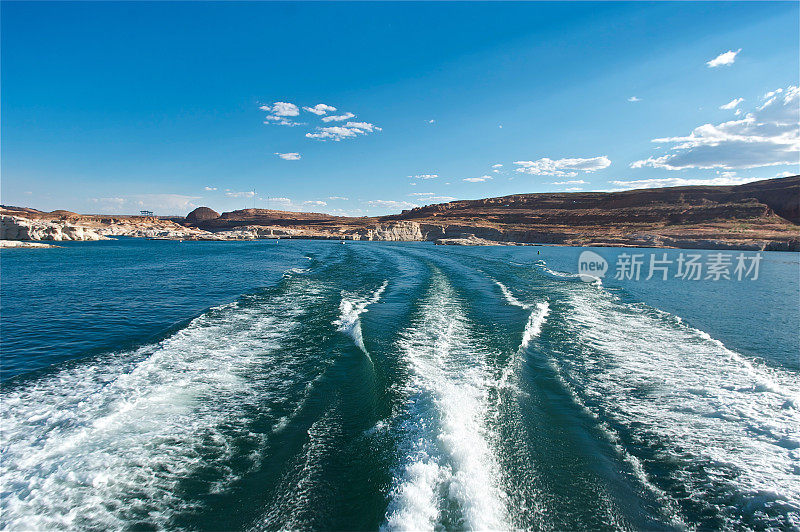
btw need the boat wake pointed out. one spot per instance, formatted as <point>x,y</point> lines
<point>351,308</point>
<point>109,442</point>
<point>449,474</point>
<point>730,431</point>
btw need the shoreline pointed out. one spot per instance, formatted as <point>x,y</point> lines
<point>475,242</point>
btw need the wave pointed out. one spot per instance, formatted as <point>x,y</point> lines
<point>729,430</point>
<point>535,321</point>
<point>350,310</point>
<point>449,475</point>
<point>533,328</point>
<point>108,442</point>
<point>555,274</point>
<point>510,297</point>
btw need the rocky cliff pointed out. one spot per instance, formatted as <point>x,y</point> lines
<point>758,215</point>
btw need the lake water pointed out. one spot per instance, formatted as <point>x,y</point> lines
<point>309,384</point>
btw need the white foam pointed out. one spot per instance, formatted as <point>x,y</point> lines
<point>707,404</point>
<point>105,443</point>
<point>350,310</point>
<point>533,328</point>
<point>535,321</point>
<point>446,442</point>
<point>510,297</point>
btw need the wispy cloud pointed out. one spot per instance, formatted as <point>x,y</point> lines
<point>348,130</point>
<point>316,203</point>
<point>432,197</point>
<point>767,136</point>
<point>162,203</point>
<point>575,182</point>
<point>424,176</point>
<point>723,59</point>
<point>339,198</point>
<point>245,194</point>
<point>209,188</point>
<point>392,204</point>
<point>338,118</point>
<point>634,99</point>
<point>563,167</point>
<point>320,109</point>
<point>480,179</point>
<point>733,104</point>
<point>680,182</point>
<point>291,156</point>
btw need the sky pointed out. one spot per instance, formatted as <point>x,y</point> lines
<point>370,108</point>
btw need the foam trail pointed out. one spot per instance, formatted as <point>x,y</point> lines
<point>533,328</point>
<point>586,278</point>
<point>730,427</point>
<point>535,321</point>
<point>510,297</point>
<point>449,459</point>
<point>106,443</point>
<point>350,308</point>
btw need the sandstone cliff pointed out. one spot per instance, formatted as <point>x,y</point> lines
<point>762,215</point>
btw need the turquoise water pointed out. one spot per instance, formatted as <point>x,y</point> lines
<point>309,384</point>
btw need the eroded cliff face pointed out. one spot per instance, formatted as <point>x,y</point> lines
<point>756,216</point>
<point>42,226</point>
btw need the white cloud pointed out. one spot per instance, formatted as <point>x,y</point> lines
<point>480,179</point>
<point>280,121</point>
<point>247,194</point>
<point>392,204</point>
<point>291,156</point>
<point>348,130</point>
<point>733,104</point>
<point>338,118</point>
<point>573,189</point>
<point>320,109</point>
<point>280,200</point>
<point>431,121</point>
<point>680,182</point>
<point>209,188</point>
<point>280,113</point>
<point>316,203</point>
<point>575,182</point>
<point>498,165</point>
<point>281,109</point>
<point>768,136</point>
<point>340,198</point>
<point>431,197</point>
<point>424,176</point>
<point>160,203</point>
<point>726,58</point>
<point>634,99</point>
<point>563,167</point>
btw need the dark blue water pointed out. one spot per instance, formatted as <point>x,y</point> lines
<point>309,384</point>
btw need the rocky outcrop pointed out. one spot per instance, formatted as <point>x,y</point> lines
<point>201,214</point>
<point>25,226</point>
<point>19,228</point>
<point>761,215</point>
<point>397,231</point>
<point>26,245</point>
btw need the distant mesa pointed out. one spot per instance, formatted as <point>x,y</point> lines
<point>62,212</point>
<point>202,214</point>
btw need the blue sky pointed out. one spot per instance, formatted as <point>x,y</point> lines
<point>117,107</point>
